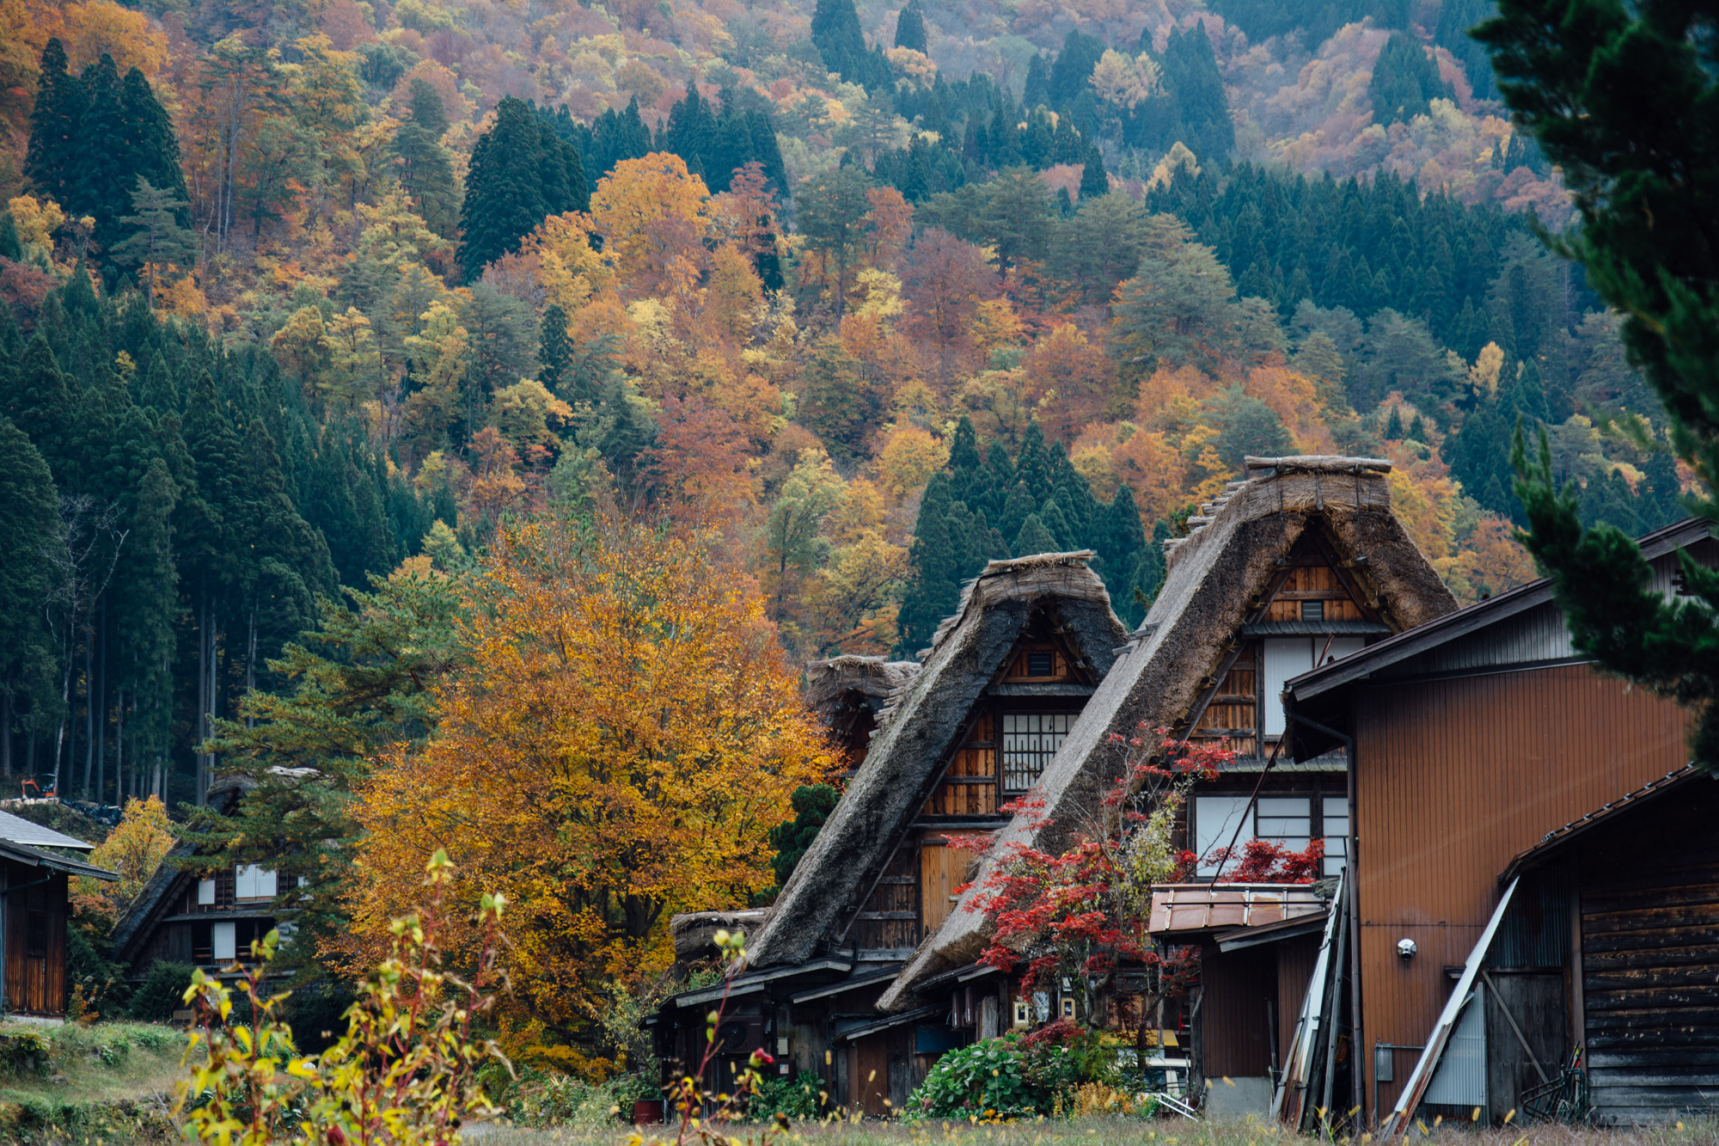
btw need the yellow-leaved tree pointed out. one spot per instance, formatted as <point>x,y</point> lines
<point>133,850</point>
<point>627,733</point>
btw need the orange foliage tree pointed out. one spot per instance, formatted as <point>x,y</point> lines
<point>628,732</point>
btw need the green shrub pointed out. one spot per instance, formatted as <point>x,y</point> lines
<point>1016,1075</point>
<point>542,1098</point>
<point>797,1097</point>
<point>162,991</point>
<point>987,1079</point>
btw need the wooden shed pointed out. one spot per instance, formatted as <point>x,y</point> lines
<point>1472,740</point>
<point>36,865</point>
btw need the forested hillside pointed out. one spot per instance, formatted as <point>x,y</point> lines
<point>302,295</point>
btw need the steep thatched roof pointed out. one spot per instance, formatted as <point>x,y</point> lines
<point>917,732</point>
<point>873,678</point>
<point>1228,560</point>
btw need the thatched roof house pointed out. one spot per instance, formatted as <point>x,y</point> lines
<point>1052,606</point>
<point>1300,563</point>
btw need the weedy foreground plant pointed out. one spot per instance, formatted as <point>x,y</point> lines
<point>403,1074</point>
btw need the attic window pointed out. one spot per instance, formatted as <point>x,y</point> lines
<point>1030,739</point>
<point>1041,664</point>
<point>1313,610</point>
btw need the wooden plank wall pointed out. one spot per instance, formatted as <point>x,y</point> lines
<point>969,787</point>
<point>1313,583</point>
<point>35,941</point>
<point>1650,958</point>
<point>1456,777</point>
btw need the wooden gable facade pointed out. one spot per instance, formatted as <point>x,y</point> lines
<point>1011,732</point>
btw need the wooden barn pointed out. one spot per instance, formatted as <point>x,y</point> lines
<point>975,725</point>
<point>1301,564</point>
<point>36,866</point>
<point>1535,871</point>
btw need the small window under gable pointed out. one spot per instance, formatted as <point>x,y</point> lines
<point>253,882</point>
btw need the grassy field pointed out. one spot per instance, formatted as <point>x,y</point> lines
<point>112,1081</point>
<point>1112,1132</point>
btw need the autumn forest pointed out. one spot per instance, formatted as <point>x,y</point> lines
<point>461,420</point>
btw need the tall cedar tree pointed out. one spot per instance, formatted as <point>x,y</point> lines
<point>1191,72</point>
<point>910,28</point>
<point>93,136</point>
<point>1404,82</point>
<point>29,522</point>
<point>839,40</point>
<point>1624,99</point>
<point>521,173</point>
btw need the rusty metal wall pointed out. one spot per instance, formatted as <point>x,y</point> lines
<point>1453,779</point>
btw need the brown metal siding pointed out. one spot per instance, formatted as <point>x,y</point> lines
<point>1233,1014</point>
<point>1295,959</point>
<point>1456,777</point>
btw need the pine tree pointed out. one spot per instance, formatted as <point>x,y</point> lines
<point>966,467</point>
<point>1394,425</point>
<point>1404,81</point>
<point>839,40</point>
<point>428,111</point>
<point>1017,507</point>
<point>910,28</point>
<point>1032,463</point>
<point>145,604</point>
<point>100,186</point>
<point>40,405</point>
<point>555,352</point>
<point>1051,517</point>
<point>1191,73</point>
<point>426,167</point>
<point>932,589</point>
<point>520,174</point>
<point>156,239</point>
<point>152,148</point>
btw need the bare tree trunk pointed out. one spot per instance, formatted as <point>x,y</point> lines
<point>101,723</point>
<point>119,747</point>
<point>6,735</point>
<point>91,703</point>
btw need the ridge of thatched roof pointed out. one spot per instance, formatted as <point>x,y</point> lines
<point>1226,561</point>
<point>915,734</point>
<point>875,678</point>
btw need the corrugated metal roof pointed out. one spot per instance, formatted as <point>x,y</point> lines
<point>1187,907</point>
<point>1467,620</point>
<point>1557,836</point>
<point>18,830</point>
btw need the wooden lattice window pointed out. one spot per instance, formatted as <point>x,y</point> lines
<point>1030,739</point>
